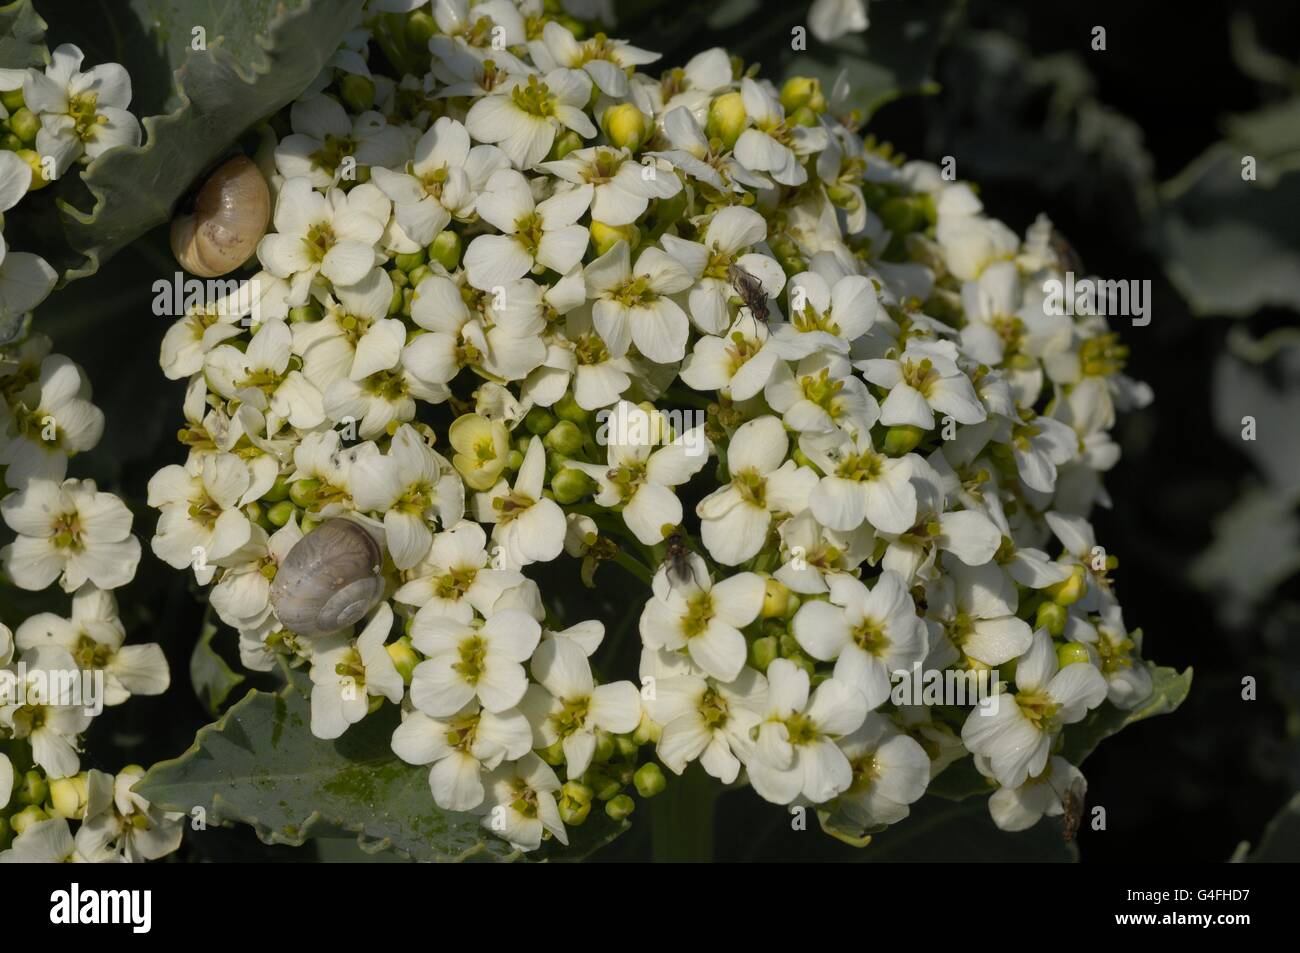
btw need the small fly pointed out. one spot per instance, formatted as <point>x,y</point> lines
<point>750,290</point>
<point>1066,256</point>
<point>681,568</point>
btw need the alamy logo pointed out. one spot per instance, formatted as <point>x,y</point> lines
<point>1095,296</point>
<point>73,906</point>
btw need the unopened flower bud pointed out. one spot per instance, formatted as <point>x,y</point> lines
<point>446,250</point>
<point>539,421</point>
<point>1067,653</point>
<point>604,237</point>
<point>620,807</point>
<point>649,780</point>
<point>357,92</point>
<point>564,437</point>
<point>763,652</point>
<point>570,485</point>
<point>1051,617</point>
<point>726,119</point>
<point>404,657</point>
<point>27,817</point>
<point>33,160</point>
<point>1069,591</point>
<point>68,797</point>
<point>799,91</point>
<point>625,126</point>
<point>566,142</point>
<point>902,439</point>
<point>420,26</point>
<point>25,125</point>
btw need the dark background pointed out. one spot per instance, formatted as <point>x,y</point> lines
<point>1189,786</point>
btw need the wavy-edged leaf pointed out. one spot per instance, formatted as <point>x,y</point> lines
<point>261,765</point>
<point>259,56</point>
<point>1169,689</point>
<point>1281,840</point>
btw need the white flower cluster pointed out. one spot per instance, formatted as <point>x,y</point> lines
<point>57,673</point>
<point>608,291</point>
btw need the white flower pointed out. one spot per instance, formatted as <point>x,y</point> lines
<point>261,377</point>
<point>94,636</point>
<point>454,580</point>
<point>739,363</point>
<point>859,484</point>
<point>412,486</point>
<point>796,754</point>
<point>772,144</point>
<point>464,662</point>
<point>605,60</point>
<point>345,675</point>
<point>634,307</point>
<point>890,771</point>
<point>869,633</point>
<point>974,607</point>
<point>534,237</point>
<point>71,532</point>
<point>729,233</point>
<point>525,116</point>
<point>45,842</point>
<point>735,518</point>
<point>568,707</point>
<point>693,152</point>
<point>53,419</point>
<point>823,317</point>
<point>202,521</point>
<point>623,186</point>
<point>710,721</point>
<point>441,183</point>
<point>121,825</point>
<point>813,555</point>
<point>461,748</point>
<point>521,803</point>
<point>1128,680</point>
<point>819,395</point>
<point>80,113</point>
<point>703,618</point>
<point>50,724</point>
<point>638,477</point>
<point>923,381</point>
<point>1015,730</point>
<point>333,235</point>
<point>324,137</point>
<point>355,337</point>
<point>529,527</point>
<point>1020,807</point>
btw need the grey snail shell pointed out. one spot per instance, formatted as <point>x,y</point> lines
<point>331,578</point>
<point>229,219</point>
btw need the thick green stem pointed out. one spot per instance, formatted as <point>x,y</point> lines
<point>681,818</point>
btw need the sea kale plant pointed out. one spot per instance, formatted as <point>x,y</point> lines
<point>524,311</point>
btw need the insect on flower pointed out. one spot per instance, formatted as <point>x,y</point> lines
<point>1073,804</point>
<point>750,290</point>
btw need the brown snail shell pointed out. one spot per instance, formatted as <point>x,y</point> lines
<point>230,214</point>
<point>331,578</point>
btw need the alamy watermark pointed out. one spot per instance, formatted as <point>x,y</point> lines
<point>1097,296</point>
<point>53,688</point>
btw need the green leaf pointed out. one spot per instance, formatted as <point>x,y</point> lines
<point>940,831</point>
<point>261,765</point>
<point>1281,840</point>
<point>213,680</point>
<point>1169,689</point>
<point>22,34</point>
<point>260,56</point>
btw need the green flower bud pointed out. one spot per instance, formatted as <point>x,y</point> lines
<point>570,485</point>
<point>357,92</point>
<point>763,652</point>
<point>803,116</point>
<point>1051,617</point>
<point>647,732</point>
<point>625,126</point>
<point>776,595</point>
<point>1067,653</point>
<point>554,755</point>
<point>649,780</point>
<point>620,807</point>
<point>446,249</point>
<point>604,747</point>
<point>305,313</point>
<point>280,513</point>
<point>539,420</point>
<point>25,125</point>
<point>68,797</point>
<point>410,261</point>
<point>303,492</point>
<point>404,657</point>
<point>8,141</point>
<point>902,439</point>
<point>604,237</point>
<point>565,142</point>
<point>12,100</point>
<point>418,274</point>
<point>575,803</point>
<point>564,437</point>
<point>804,460</point>
<point>901,215</point>
<point>567,408</point>
<point>279,491</point>
<point>420,26</point>
<point>308,523</point>
<point>799,91</point>
<point>514,460</point>
<point>31,789</point>
<point>27,817</point>
<point>1069,591</point>
<point>726,119</point>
